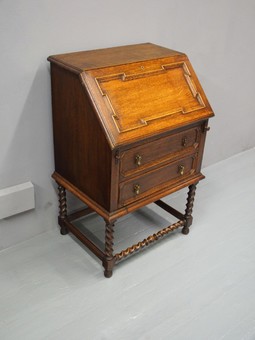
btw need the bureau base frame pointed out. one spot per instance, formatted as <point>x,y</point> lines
<point>108,258</point>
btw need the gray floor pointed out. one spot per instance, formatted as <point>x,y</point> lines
<point>200,286</point>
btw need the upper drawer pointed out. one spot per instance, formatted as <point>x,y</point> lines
<point>151,154</point>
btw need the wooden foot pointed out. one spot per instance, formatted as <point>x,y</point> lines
<point>189,207</point>
<point>185,230</point>
<point>108,261</point>
<point>108,273</point>
<point>62,209</point>
<point>63,230</point>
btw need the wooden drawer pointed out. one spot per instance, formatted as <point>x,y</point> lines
<point>155,180</point>
<point>148,155</point>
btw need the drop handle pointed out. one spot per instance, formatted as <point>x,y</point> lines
<point>138,160</point>
<point>137,189</point>
<point>181,170</point>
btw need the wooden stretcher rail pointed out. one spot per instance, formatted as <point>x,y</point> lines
<point>170,210</point>
<point>146,242</point>
<point>74,230</point>
<point>80,213</point>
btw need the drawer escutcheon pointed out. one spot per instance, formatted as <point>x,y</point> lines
<point>181,170</point>
<point>137,189</point>
<point>138,160</point>
<point>184,141</point>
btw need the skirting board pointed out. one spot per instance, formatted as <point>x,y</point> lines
<point>16,199</point>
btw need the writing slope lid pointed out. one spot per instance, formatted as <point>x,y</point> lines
<point>137,100</point>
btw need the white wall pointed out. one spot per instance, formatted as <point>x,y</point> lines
<point>218,37</point>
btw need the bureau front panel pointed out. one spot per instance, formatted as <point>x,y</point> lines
<point>146,98</point>
<point>156,180</point>
<point>151,154</point>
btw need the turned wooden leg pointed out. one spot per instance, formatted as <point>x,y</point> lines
<point>189,208</point>
<point>108,262</point>
<point>62,209</point>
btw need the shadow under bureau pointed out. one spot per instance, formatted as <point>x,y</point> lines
<point>129,128</point>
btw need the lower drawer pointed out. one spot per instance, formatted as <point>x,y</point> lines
<point>156,180</point>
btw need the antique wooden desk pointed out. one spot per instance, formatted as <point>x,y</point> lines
<point>129,128</point>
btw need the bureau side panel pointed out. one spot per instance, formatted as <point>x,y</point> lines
<point>82,155</point>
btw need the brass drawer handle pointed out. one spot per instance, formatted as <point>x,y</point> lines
<point>137,189</point>
<point>181,169</point>
<point>138,160</point>
<point>184,141</point>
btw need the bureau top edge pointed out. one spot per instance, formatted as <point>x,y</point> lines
<point>107,57</point>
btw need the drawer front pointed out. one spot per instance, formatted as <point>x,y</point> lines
<point>156,180</point>
<point>147,155</point>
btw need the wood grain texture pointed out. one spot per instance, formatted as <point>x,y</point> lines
<point>156,180</point>
<point>146,242</point>
<point>84,60</point>
<point>180,97</point>
<point>140,100</point>
<point>120,212</point>
<point>79,141</point>
<point>129,128</point>
<point>158,151</point>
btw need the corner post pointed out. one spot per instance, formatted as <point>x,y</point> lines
<point>108,261</point>
<point>189,208</point>
<point>62,209</point>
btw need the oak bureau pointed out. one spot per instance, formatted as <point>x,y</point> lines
<point>129,128</point>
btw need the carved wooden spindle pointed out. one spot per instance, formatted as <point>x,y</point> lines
<point>150,239</point>
<point>109,259</point>
<point>189,208</point>
<point>62,209</point>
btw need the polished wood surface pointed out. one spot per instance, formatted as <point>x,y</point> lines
<point>79,142</point>
<point>151,154</point>
<point>137,87</point>
<point>129,128</point>
<point>85,60</point>
<point>156,180</point>
<point>147,98</point>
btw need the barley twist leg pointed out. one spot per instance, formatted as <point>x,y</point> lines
<point>108,262</point>
<point>189,208</point>
<point>62,209</point>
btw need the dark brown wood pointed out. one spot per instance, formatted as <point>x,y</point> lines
<point>108,259</point>
<point>155,180</point>
<point>79,141</point>
<point>88,243</point>
<point>62,209</point>
<point>170,209</point>
<point>189,208</point>
<point>159,151</point>
<point>146,242</point>
<point>81,195</point>
<point>112,216</point>
<point>129,128</point>
<point>80,213</point>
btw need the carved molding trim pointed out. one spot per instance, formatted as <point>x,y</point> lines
<point>164,68</point>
